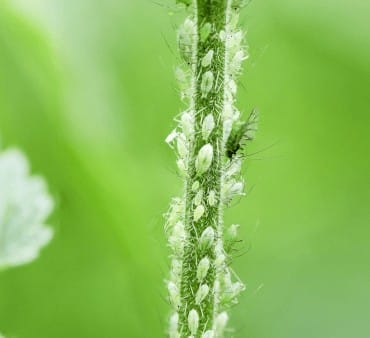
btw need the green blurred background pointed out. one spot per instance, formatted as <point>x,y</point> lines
<point>87,91</point>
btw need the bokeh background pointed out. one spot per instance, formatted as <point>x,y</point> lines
<point>87,91</point>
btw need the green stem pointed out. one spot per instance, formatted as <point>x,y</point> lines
<point>212,103</point>
<point>200,285</point>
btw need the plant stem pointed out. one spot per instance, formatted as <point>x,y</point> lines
<point>200,284</point>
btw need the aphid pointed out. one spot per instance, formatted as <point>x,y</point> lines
<point>193,321</point>
<point>205,31</point>
<point>245,132</point>
<point>237,4</point>
<point>201,294</point>
<point>207,59</point>
<point>186,35</point>
<point>207,83</point>
<point>185,2</point>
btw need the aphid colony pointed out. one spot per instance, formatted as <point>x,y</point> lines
<point>208,142</point>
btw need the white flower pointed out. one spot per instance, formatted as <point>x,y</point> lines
<point>24,206</point>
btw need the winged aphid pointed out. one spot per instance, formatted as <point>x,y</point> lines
<point>245,132</point>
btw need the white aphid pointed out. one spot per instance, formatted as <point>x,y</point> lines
<point>181,76</point>
<point>171,137</point>
<point>175,212</point>
<point>231,189</point>
<point>207,83</point>
<point>195,186</point>
<point>205,31</point>
<point>203,268</point>
<point>234,19</point>
<point>207,238</point>
<point>198,212</point>
<point>198,197</point>
<point>231,86</point>
<point>207,126</point>
<point>173,327</point>
<point>182,166</point>
<point>201,293</point>
<point>207,59</point>
<point>237,288</point>
<point>234,41</point>
<point>219,261</point>
<point>174,294</point>
<point>228,126</point>
<point>233,230</point>
<point>212,198</point>
<point>193,321</point>
<point>228,111</point>
<point>176,268</point>
<point>187,124</point>
<point>182,147</point>
<point>236,62</point>
<point>208,334</point>
<point>186,36</point>
<point>177,238</point>
<point>234,168</point>
<point>220,323</point>
<point>204,159</point>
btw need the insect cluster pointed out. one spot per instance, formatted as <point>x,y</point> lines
<point>208,142</point>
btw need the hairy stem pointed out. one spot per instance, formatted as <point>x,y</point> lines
<point>210,102</point>
<point>208,142</point>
